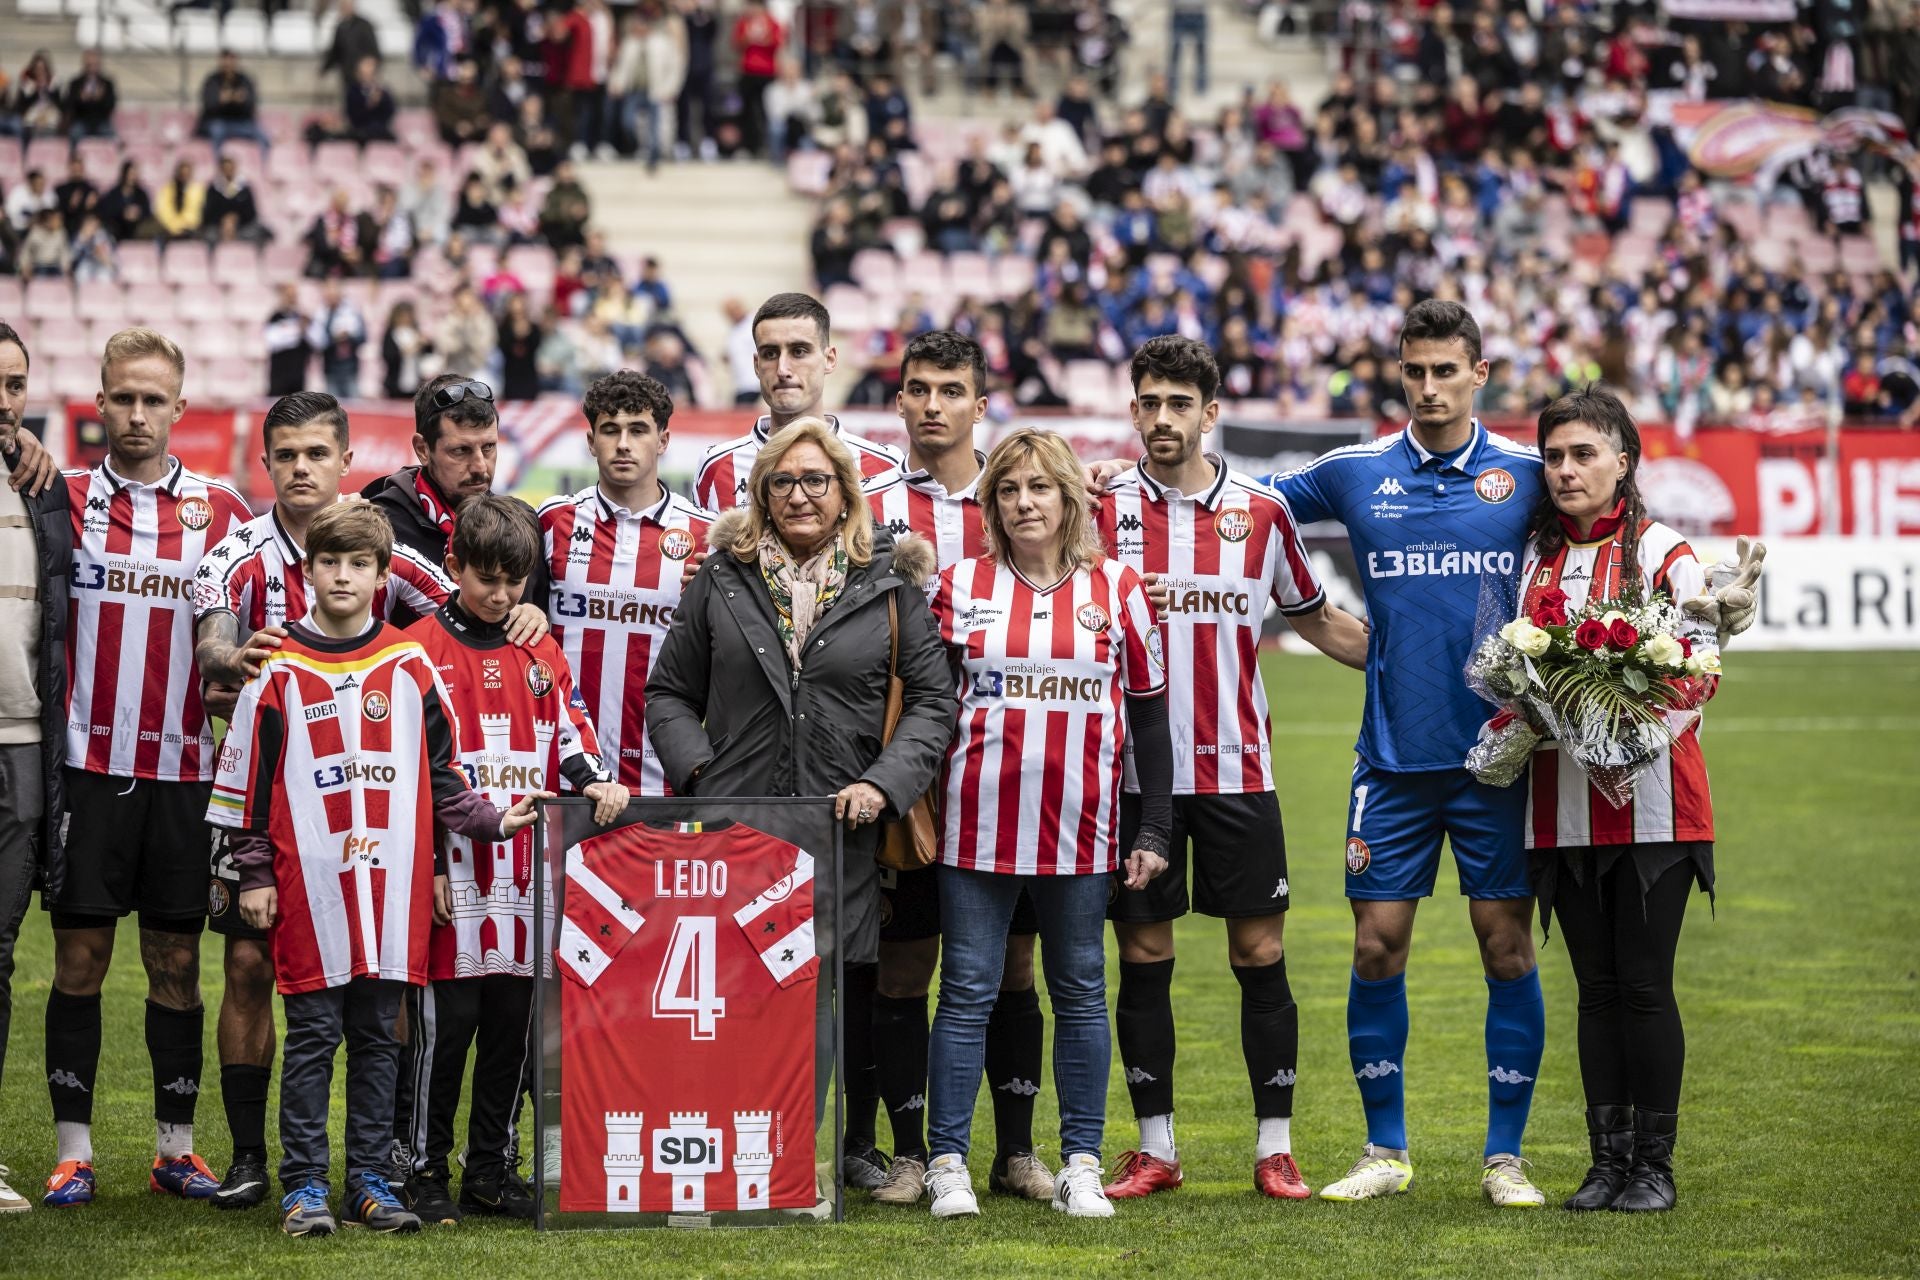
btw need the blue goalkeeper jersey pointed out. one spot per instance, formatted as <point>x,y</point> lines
<point>1427,532</point>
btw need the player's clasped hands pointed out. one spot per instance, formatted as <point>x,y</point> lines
<point>858,804</point>
<point>260,907</point>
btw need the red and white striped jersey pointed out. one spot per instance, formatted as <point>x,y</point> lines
<point>914,502</point>
<point>133,702</point>
<point>1671,801</point>
<point>518,722</point>
<point>1223,553</point>
<point>616,582</point>
<point>1032,783</point>
<point>721,482</point>
<point>258,574</point>
<point>331,753</point>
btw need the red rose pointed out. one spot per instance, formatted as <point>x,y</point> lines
<point>1549,616</point>
<point>1591,634</point>
<point>1623,635</point>
<point>1686,647</point>
<point>1553,598</point>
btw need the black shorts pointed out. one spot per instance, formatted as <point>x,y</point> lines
<point>910,907</point>
<point>1239,860</point>
<point>136,845</point>
<point>223,893</point>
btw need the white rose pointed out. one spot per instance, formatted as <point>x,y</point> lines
<point>1665,651</point>
<point>1612,616</point>
<point>1704,664</point>
<point>1526,637</point>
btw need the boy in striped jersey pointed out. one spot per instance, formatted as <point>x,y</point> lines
<point>254,584</point>
<point>339,762</point>
<point>793,353</point>
<point>519,727</point>
<point>942,400</point>
<point>139,760</point>
<point>614,559</point>
<point>1222,545</point>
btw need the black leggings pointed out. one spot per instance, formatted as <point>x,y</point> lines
<point>1632,1047</point>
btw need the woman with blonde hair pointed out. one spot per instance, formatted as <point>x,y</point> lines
<point>1057,662</point>
<point>773,681</point>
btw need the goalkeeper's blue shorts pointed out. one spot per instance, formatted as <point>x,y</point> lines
<point>1395,822</point>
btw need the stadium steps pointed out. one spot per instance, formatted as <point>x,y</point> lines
<point>720,230</point>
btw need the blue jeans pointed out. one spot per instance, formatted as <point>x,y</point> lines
<point>976,908</point>
<point>1187,28</point>
<point>221,132</point>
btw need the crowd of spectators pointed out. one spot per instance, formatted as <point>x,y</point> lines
<point>1558,206</point>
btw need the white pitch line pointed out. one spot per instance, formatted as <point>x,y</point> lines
<point>1730,724</point>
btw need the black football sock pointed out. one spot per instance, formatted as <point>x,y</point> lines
<point>1269,1035</point>
<point>243,1090</point>
<point>1015,1030</point>
<point>73,1054</point>
<point>1143,1023</point>
<point>174,1044</point>
<point>900,1060</point>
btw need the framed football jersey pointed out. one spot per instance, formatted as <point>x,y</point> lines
<point>688,1014</point>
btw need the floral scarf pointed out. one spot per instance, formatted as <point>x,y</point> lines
<point>801,593</point>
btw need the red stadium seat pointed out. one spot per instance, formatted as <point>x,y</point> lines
<point>49,300</point>
<point>73,378</point>
<point>139,262</point>
<point>1012,275</point>
<point>184,265</point>
<point>13,297</point>
<point>876,269</point>
<point>62,339</point>
<point>149,304</point>
<point>99,300</point>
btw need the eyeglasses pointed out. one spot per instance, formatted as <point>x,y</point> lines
<point>814,484</point>
<point>454,392</point>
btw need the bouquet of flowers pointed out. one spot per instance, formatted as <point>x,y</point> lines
<point>1613,683</point>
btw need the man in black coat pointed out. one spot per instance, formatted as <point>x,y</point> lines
<point>36,560</point>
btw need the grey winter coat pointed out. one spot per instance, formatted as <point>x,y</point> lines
<point>723,699</point>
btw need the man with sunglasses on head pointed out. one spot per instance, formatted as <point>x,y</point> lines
<point>456,436</point>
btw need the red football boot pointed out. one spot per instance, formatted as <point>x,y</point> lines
<point>1278,1176</point>
<point>1141,1175</point>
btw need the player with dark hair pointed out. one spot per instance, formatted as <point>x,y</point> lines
<point>254,583</point>
<point>1222,545</point>
<point>518,728</point>
<point>612,567</point>
<point>1460,499</point>
<point>942,400</point>
<point>140,758</point>
<point>793,353</point>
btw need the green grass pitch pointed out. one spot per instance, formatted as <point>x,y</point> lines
<point>1802,1003</point>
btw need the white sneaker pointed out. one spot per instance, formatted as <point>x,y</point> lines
<point>11,1201</point>
<point>1375,1173</point>
<point>1505,1184</point>
<point>951,1188</point>
<point>1078,1191</point>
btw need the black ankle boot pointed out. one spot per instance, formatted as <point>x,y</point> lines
<point>1649,1186</point>
<point>1610,1135</point>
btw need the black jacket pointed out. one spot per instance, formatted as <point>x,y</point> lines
<point>400,503</point>
<point>724,699</point>
<point>53,544</point>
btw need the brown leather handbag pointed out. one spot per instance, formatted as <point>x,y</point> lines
<point>912,842</point>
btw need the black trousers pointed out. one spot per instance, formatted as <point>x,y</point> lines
<point>445,1019</point>
<point>1633,1049</point>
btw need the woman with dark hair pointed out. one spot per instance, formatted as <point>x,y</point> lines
<point>401,350</point>
<point>126,211</point>
<point>520,340</point>
<point>1618,879</point>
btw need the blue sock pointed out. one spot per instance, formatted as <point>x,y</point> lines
<point>1516,1037</point>
<point>1377,1046</point>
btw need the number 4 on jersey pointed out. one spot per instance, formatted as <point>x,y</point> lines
<point>688,986</point>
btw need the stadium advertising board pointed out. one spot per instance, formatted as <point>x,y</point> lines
<point>1834,593</point>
